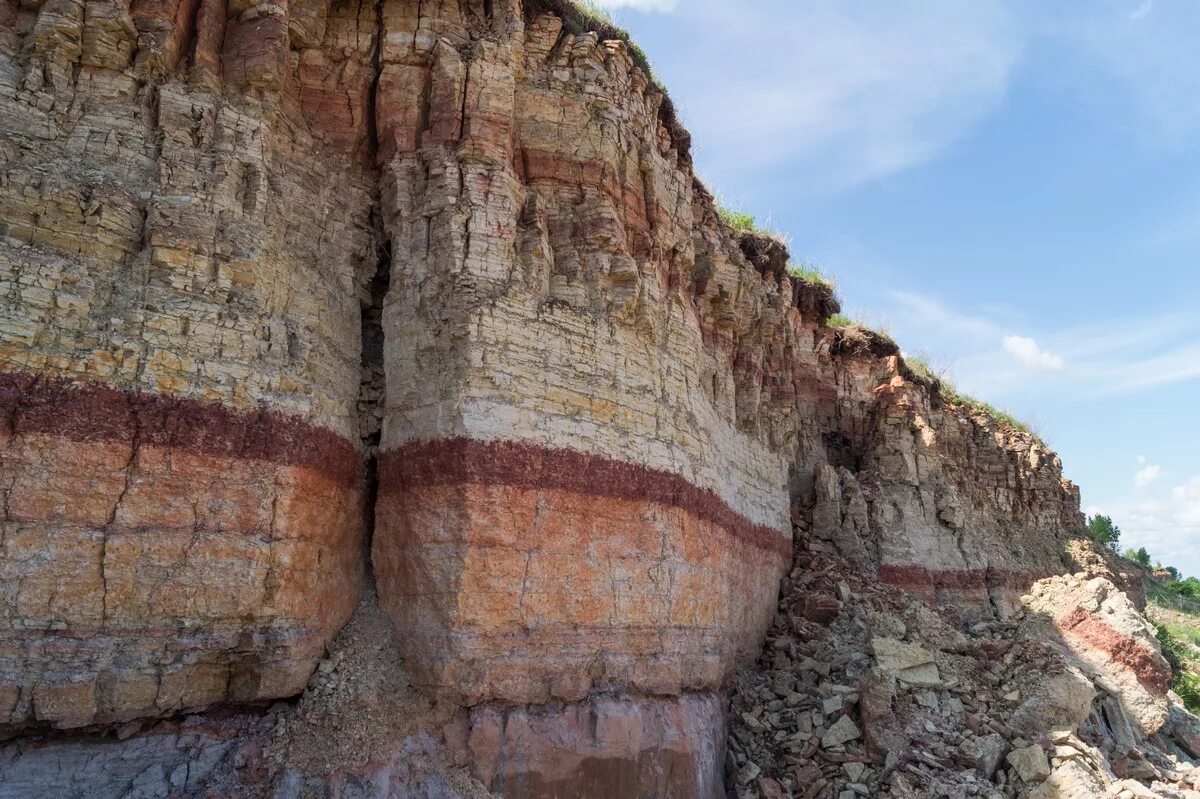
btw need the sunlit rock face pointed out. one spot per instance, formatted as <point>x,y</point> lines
<point>185,218</point>
<point>300,294</point>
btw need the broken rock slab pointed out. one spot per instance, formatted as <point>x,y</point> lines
<point>1030,763</point>
<point>985,753</point>
<point>1062,702</point>
<point>907,662</point>
<point>843,731</point>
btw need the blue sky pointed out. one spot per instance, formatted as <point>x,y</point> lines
<point>1010,187</point>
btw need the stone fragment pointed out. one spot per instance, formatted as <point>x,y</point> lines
<point>986,753</point>
<point>1030,763</point>
<point>908,662</point>
<point>843,731</point>
<point>1061,702</point>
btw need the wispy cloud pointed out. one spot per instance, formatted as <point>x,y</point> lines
<point>1152,50</point>
<point>842,93</point>
<point>1142,11</point>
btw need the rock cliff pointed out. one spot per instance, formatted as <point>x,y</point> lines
<point>413,315</point>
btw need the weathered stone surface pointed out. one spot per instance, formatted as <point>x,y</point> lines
<point>603,746</point>
<point>178,368</point>
<point>908,662</point>
<point>1111,642</point>
<point>1030,763</point>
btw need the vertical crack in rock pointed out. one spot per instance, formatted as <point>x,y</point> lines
<point>373,383</point>
<point>373,386</point>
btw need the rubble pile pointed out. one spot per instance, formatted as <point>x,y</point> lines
<point>865,691</point>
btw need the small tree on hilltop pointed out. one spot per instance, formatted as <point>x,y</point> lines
<point>1142,557</point>
<point>1102,530</point>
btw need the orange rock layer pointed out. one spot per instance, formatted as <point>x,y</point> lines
<point>525,574</point>
<point>161,556</point>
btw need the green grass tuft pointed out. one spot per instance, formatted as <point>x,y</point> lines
<point>921,368</point>
<point>738,220</point>
<point>808,273</point>
<point>1001,417</point>
<point>839,321</point>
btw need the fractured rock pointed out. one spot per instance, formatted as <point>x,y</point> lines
<point>908,662</point>
<point>1030,763</point>
<point>843,731</point>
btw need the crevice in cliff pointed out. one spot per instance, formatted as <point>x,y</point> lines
<point>373,386</point>
<point>372,394</point>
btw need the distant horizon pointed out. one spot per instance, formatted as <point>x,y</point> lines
<point>1013,192</point>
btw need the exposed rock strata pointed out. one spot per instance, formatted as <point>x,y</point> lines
<point>267,268</point>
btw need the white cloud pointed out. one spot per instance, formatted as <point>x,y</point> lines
<point>1186,499</point>
<point>639,5</point>
<point>1168,525</point>
<point>1146,476</point>
<point>1142,11</point>
<point>1027,351</point>
<point>840,92</point>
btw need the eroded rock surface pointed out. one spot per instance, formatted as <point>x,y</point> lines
<point>282,280</point>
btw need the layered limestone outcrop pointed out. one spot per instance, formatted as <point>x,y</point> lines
<point>185,237</point>
<point>563,504</point>
<point>300,298</point>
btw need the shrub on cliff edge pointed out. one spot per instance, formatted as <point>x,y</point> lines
<point>1102,530</point>
<point>1186,682</point>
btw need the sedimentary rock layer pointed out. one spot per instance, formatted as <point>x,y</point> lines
<point>604,746</point>
<point>185,242</point>
<point>161,555</point>
<point>529,574</point>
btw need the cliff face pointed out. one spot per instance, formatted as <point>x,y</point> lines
<point>185,206</point>
<point>424,296</point>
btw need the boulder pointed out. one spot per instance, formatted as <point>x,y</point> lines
<point>1061,702</point>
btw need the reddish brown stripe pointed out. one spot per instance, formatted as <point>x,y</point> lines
<point>87,411</point>
<point>909,576</point>
<point>529,466</point>
<point>1123,649</point>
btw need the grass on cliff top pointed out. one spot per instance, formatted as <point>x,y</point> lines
<point>1001,417</point>
<point>808,272</point>
<point>738,220</point>
<point>840,321</point>
<point>951,395</point>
